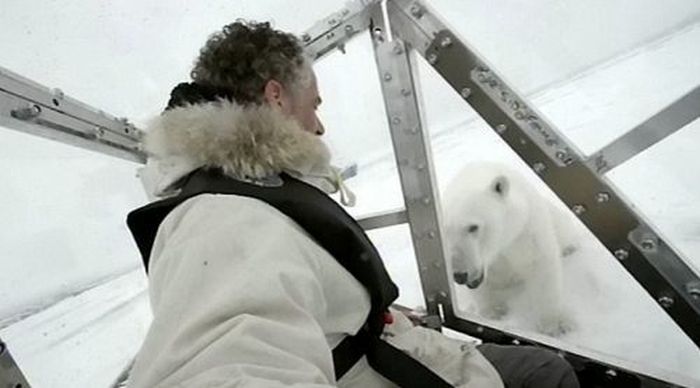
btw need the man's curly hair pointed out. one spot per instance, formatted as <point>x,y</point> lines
<point>244,56</point>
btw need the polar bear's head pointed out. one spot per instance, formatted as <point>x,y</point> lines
<point>484,213</point>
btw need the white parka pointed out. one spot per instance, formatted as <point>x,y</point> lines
<point>241,295</point>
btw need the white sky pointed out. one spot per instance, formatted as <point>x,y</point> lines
<point>64,208</point>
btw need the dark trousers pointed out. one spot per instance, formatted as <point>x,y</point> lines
<point>529,367</point>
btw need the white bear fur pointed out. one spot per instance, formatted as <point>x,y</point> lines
<point>498,225</point>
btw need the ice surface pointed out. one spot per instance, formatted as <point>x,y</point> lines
<point>61,239</point>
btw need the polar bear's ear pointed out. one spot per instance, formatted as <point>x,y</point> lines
<point>500,185</point>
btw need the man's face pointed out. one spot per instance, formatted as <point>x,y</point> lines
<point>303,105</point>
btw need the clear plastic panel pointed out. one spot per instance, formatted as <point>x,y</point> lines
<point>73,306</point>
<point>595,69</point>
<point>396,248</point>
<point>607,313</point>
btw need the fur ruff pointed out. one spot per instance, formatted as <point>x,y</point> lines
<point>250,142</point>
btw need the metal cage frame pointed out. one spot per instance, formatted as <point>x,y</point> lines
<point>398,29</point>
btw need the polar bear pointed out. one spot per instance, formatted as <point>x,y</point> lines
<point>505,241</point>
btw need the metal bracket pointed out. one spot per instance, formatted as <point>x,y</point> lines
<point>672,118</point>
<point>336,29</point>
<point>37,110</point>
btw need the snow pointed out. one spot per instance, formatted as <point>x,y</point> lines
<point>83,310</point>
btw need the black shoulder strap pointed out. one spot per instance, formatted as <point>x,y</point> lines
<point>332,228</point>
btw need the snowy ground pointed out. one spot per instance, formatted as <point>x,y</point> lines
<point>86,339</point>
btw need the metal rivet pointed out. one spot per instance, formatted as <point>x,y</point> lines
<point>349,28</point>
<point>413,130</point>
<point>665,301</point>
<point>519,115</point>
<point>396,120</point>
<point>305,37</point>
<point>26,113</point>
<point>426,201</point>
<point>611,373</point>
<point>515,342</point>
<point>345,11</point>
<point>432,58</point>
<point>648,244</point>
<point>99,131</point>
<point>561,155</point>
<point>446,42</point>
<point>493,83</point>
<point>481,77</point>
<point>405,92</point>
<point>539,167</point>
<point>602,197</point>
<point>420,167</point>
<point>514,105</point>
<point>479,329</point>
<point>578,209</point>
<point>330,35</point>
<point>693,289</point>
<point>504,96</point>
<point>333,22</point>
<point>535,125</point>
<point>443,294</point>
<point>387,77</point>
<point>622,254</point>
<point>397,49</point>
<point>500,128</point>
<point>416,10</point>
<point>466,92</point>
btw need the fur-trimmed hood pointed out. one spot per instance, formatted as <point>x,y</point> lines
<point>252,143</point>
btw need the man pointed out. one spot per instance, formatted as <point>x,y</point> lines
<point>256,277</point>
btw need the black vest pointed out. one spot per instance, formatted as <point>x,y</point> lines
<point>334,230</point>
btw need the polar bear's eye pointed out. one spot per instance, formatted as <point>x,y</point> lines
<point>473,228</point>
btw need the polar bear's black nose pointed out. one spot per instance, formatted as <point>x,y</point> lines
<point>460,277</point>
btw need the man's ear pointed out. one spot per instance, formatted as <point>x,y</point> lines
<point>500,186</point>
<point>274,94</point>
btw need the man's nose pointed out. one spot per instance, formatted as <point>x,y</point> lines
<point>320,129</point>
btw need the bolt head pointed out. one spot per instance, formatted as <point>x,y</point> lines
<point>416,10</point>
<point>648,244</point>
<point>611,373</point>
<point>432,58</point>
<point>446,42</point>
<point>665,301</point>
<point>578,209</point>
<point>387,77</point>
<point>622,254</point>
<point>539,167</point>
<point>602,197</point>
